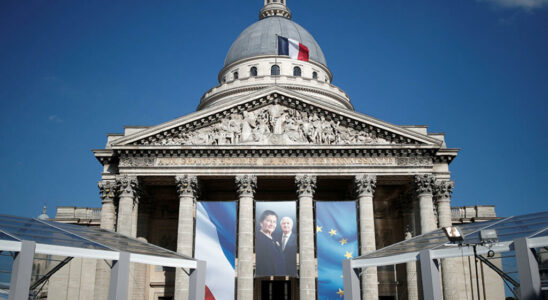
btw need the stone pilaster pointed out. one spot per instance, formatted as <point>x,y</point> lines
<point>107,191</point>
<point>127,192</point>
<point>424,187</point>
<point>187,187</point>
<point>246,186</point>
<point>365,188</point>
<point>306,186</point>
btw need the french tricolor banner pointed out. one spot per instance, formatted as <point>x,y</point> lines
<point>293,48</point>
<point>216,244</point>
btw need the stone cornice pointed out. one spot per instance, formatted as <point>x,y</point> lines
<point>227,93</point>
<point>403,155</point>
<point>274,151</point>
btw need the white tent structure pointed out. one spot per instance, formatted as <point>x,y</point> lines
<point>521,234</point>
<point>24,239</point>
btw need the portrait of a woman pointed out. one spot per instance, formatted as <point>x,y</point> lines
<point>269,257</point>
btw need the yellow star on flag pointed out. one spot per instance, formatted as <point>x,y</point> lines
<point>343,241</point>
<point>348,255</point>
<point>332,232</point>
<point>340,293</point>
<point>318,228</point>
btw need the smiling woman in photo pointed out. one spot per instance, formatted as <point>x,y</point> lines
<point>269,258</point>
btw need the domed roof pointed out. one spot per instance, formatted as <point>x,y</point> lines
<point>260,39</point>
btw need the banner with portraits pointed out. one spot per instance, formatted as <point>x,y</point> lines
<point>275,238</point>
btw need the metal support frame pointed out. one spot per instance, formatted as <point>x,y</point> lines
<point>430,275</point>
<point>119,278</point>
<point>21,271</point>
<point>197,281</point>
<point>351,281</point>
<point>529,277</point>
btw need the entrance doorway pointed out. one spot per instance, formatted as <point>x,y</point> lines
<point>276,290</point>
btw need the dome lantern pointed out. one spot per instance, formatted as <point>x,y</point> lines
<point>276,8</point>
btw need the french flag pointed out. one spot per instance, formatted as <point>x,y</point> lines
<point>216,244</point>
<point>293,48</point>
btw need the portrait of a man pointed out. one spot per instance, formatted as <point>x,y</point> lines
<point>288,242</point>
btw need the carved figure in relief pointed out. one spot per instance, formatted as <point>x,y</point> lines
<point>274,124</point>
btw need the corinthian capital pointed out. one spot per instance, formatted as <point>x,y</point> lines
<point>443,189</point>
<point>306,185</point>
<point>107,189</point>
<point>127,185</point>
<point>246,184</point>
<point>365,184</point>
<point>424,183</point>
<point>187,185</point>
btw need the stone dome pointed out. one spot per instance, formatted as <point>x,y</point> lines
<point>260,39</point>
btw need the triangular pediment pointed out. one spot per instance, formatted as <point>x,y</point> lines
<point>275,116</point>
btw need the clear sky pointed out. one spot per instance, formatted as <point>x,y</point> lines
<point>72,71</point>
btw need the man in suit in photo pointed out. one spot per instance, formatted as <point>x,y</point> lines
<point>288,242</point>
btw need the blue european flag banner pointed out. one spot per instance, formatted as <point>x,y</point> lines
<point>336,240</point>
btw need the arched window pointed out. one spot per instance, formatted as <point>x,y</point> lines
<point>253,71</point>
<point>235,75</point>
<point>275,70</point>
<point>296,71</point>
<point>315,75</point>
<point>224,79</point>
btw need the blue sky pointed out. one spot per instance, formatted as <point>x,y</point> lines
<point>72,71</point>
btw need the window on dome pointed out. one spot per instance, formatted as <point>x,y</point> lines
<point>235,75</point>
<point>296,71</point>
<point>253,71</point>
<point>224,79</point>
<point>275,70</point>
<point>315,75</point>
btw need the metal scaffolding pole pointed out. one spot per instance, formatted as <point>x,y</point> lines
<point>430,274</point>
<point>197,281</point>
<point>351,281</point>
<point>529,278</point>
<point>21,271</point>
<point>119,278</point>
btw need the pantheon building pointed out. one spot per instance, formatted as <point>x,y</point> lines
<point>275,130</point>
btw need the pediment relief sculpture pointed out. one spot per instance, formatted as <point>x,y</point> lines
<point>274,125</point>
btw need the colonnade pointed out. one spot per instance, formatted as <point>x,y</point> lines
<point>432,196</point>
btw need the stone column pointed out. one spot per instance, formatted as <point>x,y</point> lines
<point>411,268</point>
<point>424,186</point>
<point>451,268</point>
<point>443,190</point>
<point>306,185</point>
<point>365,187</point>
<point>139,291</point>
<point>127,190</point>
<point>127,193</point>
<point>246,186</point>
<point>107,190</point>
<point>187,187</point>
